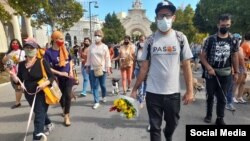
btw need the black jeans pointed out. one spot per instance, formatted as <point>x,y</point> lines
<point>117,64</point>
<point>159,106</point>
<point>40,109</point>
<point>65,85</point>
<point>213,89</point>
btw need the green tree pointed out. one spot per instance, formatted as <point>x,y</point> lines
<point>113,30</point>
<point>208,11</point>
<point>184,23</point>
<point>60,14</point>
<point>4,15</point>
<point>153,27</point>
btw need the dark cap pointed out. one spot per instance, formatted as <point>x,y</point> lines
<point>31,43</point>
<point>165,4</point>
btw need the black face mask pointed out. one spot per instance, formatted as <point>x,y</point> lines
<point>126,43</point>
<point>86,45</point>
<point>224,30</point>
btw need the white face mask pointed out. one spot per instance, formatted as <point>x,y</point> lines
<point>165,24</point>
<point>98,39</point>
<point>142,44</point>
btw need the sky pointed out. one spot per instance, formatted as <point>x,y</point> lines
<point>110,6</point>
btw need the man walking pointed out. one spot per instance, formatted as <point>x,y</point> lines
<point>218,55</point>
<point>162,56</point>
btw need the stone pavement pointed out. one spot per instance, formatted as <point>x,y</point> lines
<point>100,124</point>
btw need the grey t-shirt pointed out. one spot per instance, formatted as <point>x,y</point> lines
<point>164,71</point>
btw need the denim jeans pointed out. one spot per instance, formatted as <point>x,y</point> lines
<point>230,92</point>
<point>86,80</point>
<point>40,109</point>
<point>142,87</point>
<point>95,85</point>
<point>167,106</point>
<point>213,89</point>
<point>76,60</point>
<point>65,85</point>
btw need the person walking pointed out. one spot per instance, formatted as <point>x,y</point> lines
<point>219,55</point>
<point>244,54</point>
<point>98,65</point>
<point>116,54</point>
<point>126,57</point>
<point>84,55</point>
<point>14,55</point>
<point>137,67</point>
<point>162,56</point>
<point>30,73</point>
<point>62,66</point>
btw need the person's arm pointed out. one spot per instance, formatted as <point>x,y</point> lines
<point>49,75</point>
<point>187,71</point>
<point>203,58</point>
<point>242,60</point>
<point>107,60</point>
<point>142,75</point>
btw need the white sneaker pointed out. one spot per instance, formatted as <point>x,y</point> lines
<point>49,128</point>
<point>235,100</point>
<point>104,99</point>
<point>96,105</point>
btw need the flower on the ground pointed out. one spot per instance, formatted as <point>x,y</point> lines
<point>124,106</point>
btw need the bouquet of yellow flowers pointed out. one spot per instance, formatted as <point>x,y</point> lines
<point>127,106</point>
<point>15,59</point>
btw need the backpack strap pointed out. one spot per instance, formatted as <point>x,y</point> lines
<point>180,38</point>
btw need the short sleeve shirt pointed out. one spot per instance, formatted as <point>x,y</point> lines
<point>164,71</point>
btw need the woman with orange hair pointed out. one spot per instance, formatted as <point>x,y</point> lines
<point>62,67</point>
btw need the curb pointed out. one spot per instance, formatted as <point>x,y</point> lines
<point>4,84</point>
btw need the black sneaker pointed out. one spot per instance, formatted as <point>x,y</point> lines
<point>220,121</point>
<point>207,119</point>
<point>16,106</point>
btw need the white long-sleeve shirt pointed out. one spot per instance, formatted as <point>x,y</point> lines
<point>98,55</point>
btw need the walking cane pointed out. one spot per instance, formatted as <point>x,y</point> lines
<point>217,79</point>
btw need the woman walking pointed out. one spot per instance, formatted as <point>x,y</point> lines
<point>14,55</point>
<point>30,73</point>
<point>62,67</point>
<point>84,56</point>
<point>99,65</point>
<point>126,57</point>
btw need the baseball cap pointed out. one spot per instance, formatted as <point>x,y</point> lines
<point>165,4</point>
<point>31,43</point>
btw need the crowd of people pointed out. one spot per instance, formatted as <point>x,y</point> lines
<point>154,61</point>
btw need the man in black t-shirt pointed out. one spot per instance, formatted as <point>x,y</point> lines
<point>219,55</point>
<point>116,54</point>
<point>76,54</point>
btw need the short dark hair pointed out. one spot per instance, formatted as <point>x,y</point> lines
<point>225,17</point>
<point>127,37</point>
<point>247,36</point>
<point>87,38</point>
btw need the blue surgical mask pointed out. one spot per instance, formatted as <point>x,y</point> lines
<point>164,24</point>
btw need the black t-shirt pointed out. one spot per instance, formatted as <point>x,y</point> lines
<point>220,52</point>
<point>76,49</point>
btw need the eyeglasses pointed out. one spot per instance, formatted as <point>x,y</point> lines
<point>99,35</point>
<point>161,16</point>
